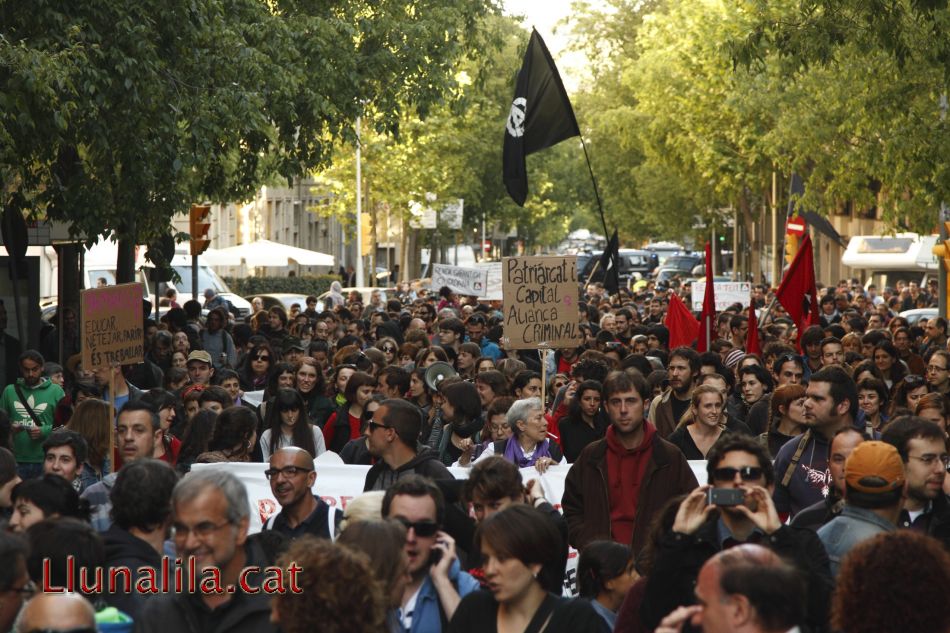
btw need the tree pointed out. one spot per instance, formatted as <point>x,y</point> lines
<point>124,113</point>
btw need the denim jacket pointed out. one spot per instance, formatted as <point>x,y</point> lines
<point>845,531</point>
<point>426,616</point>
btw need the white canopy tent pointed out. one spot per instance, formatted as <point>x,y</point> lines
<point>267,253</point>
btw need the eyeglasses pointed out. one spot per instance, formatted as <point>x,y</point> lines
<point>260,357</point>
<point>422,528</point>
<point>376,425</point>
<point>286,471</point>
<point>914,380</point>
<point>748,473</point>
<point>930,460</point>
<point>389,350</point>
<point>202,530</point>
<point>936,368</point>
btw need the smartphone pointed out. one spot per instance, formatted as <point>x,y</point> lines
<point>435,555</point>
<point>725,496</point>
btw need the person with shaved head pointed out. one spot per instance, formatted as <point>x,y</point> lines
<point>292,475</point>
<point>57,612</point>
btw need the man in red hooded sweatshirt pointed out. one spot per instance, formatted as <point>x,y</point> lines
<point>618,484</point>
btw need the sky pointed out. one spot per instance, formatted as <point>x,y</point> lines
<point>544,15</point>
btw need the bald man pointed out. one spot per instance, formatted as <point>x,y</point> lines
<point>57,612</point>
<point>745,589</point>
<point>292,476</point>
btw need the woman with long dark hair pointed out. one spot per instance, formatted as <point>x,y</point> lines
<point>257,364</point>
<point>288,424</point>
<point>585,421</point>
<point>312,387</point>
<point>888,360</point>
<point>345,423</point>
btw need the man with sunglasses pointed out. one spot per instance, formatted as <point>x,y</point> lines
<point>292,475</point>
<point>438,584</point>
<point>392,437</point>
<point>923,447</point>
<point>702,529</point>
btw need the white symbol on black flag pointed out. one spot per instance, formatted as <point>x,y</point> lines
<point>540,116</point>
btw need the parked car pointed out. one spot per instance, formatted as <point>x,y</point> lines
<point>631,262</point>
<point>919,314</point>
<point>282,299</point>
<point>365,293</point>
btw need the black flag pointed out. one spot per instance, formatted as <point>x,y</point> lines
<point>610,264</point>
<point>540,116</point>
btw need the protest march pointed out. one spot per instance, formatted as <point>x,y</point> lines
<point>585,439</point>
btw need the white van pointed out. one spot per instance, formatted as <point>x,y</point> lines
<point>207,278</point>
<point>886,259</point>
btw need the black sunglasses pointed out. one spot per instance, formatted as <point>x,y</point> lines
<point>261,357</point>
<point>376,425</point>
<point>422,528</point>
<point>388,350</point>
<point>748,473</point>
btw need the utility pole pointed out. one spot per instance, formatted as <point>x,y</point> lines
<point>944,218</point>
<point>359,210</point>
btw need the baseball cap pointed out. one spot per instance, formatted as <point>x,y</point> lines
<point>292,342</point>
<point>199,355</point>
<point>874,467</point>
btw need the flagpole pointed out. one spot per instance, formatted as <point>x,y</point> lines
<point>600,205</point>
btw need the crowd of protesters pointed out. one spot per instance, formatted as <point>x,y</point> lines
<point>824,505</point>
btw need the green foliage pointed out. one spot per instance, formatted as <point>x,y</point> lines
<point>304,284</point>
<point>117,115</point>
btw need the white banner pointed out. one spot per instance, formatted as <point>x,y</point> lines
<point>337,483</point>
<point>493,293</point>
<point>727,293</point>
<point>470,282</point>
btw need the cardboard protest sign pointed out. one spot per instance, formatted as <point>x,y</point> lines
<point>470,282</point>
<point>540,295</point>
<point>727,293</point>
<point>112,323</point>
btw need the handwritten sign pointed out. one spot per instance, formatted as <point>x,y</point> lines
<point>540,295</point>
<point>112,323</point>
<point>470,282</point>
<point>727,293</point>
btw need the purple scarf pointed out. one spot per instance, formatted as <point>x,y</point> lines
<point>515,455</point>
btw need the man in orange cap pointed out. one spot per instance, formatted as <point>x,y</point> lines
<point>874,487</point>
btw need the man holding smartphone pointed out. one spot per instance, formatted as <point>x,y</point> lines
<point>740,485</point>
<point>438,583</point>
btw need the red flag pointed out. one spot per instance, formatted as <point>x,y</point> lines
<point>707,320</point>
<point>752,338</point>
<point>797,292</point>
<point>681,323</point>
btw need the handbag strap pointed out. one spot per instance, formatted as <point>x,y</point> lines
<point>26,405</point>
<point>543,615</point>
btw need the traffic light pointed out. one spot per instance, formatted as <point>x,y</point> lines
<point>198,228</point>
<point>942,248</point>
<point>791,248</point>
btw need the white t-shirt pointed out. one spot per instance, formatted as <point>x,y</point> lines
<point>287,440</point>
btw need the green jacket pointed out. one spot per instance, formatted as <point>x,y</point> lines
<point>42,399</point>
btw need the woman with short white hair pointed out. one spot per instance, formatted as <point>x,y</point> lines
<point>529,444</point>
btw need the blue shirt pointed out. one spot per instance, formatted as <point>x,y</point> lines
<point>426,616</point>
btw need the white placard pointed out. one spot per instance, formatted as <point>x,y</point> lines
<point>727,293</point>
<point>470,282</point>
